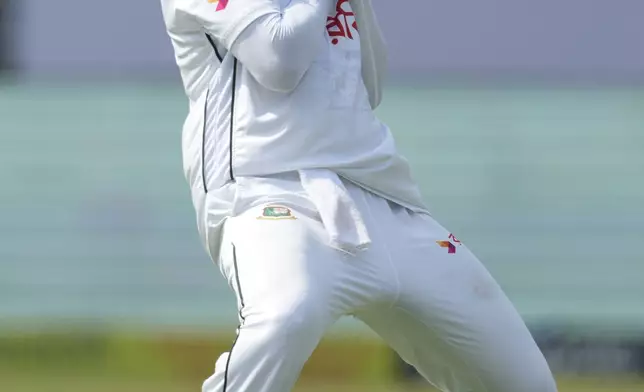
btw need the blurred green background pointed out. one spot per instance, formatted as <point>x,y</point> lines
<point>104,285</point>
<point>524,124</point>
<point>546,185</point>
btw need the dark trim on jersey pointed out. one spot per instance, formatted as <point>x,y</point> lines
<point>239,290</point>
<point>214,47</point>
<point>203,143</point>
<point>230,354</point>
<point>241,316</point>
<point>232,119</point>
<point>232,111</point>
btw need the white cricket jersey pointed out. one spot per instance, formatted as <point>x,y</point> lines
<point>238,127</point>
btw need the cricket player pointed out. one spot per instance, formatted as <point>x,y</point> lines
<point>311,214</point>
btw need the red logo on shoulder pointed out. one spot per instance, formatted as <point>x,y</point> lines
<point>343,23</point>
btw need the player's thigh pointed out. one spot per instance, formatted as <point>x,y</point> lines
<point>449,291</point>
<point>481,331</point>
<point>429,354</point>
<point>276,259</point>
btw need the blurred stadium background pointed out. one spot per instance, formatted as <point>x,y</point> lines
<point>524,122</point>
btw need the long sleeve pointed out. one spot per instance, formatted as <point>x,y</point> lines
<point>279,48</point>
<point>276,44</point>
<point>374,50</point>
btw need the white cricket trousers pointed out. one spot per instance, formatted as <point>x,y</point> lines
<point>416,286</point>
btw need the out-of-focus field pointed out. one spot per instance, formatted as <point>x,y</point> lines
<point>98,238</point>
<point>74,383</point>
<point>179,363</point>
<point>544,185</point>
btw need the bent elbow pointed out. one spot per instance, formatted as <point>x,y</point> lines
<point>281,78</point>
<point>284,79</point>
<point>288,64</point>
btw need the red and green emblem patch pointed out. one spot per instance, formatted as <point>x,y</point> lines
<point>276,212</point>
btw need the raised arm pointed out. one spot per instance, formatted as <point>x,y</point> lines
<point>374,50</point>
<point>279,48</point>
<point>276,44</point>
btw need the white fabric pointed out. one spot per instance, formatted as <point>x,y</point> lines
<point>187,21</point>
<point>278,48</point>
<point>441,311</point>
<point>322,189</point>
<point>303,139</point>
<point>338,212</point>
<point>276,40</point>
<point>239,127</point>
<point>373,49</point>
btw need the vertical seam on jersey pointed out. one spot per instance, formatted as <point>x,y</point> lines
<point>232,120</point>
<point>214,47</point>
<point>241,316</point>
<point>203,143</point>
<point>230,354</point>
<point>239,290</point>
